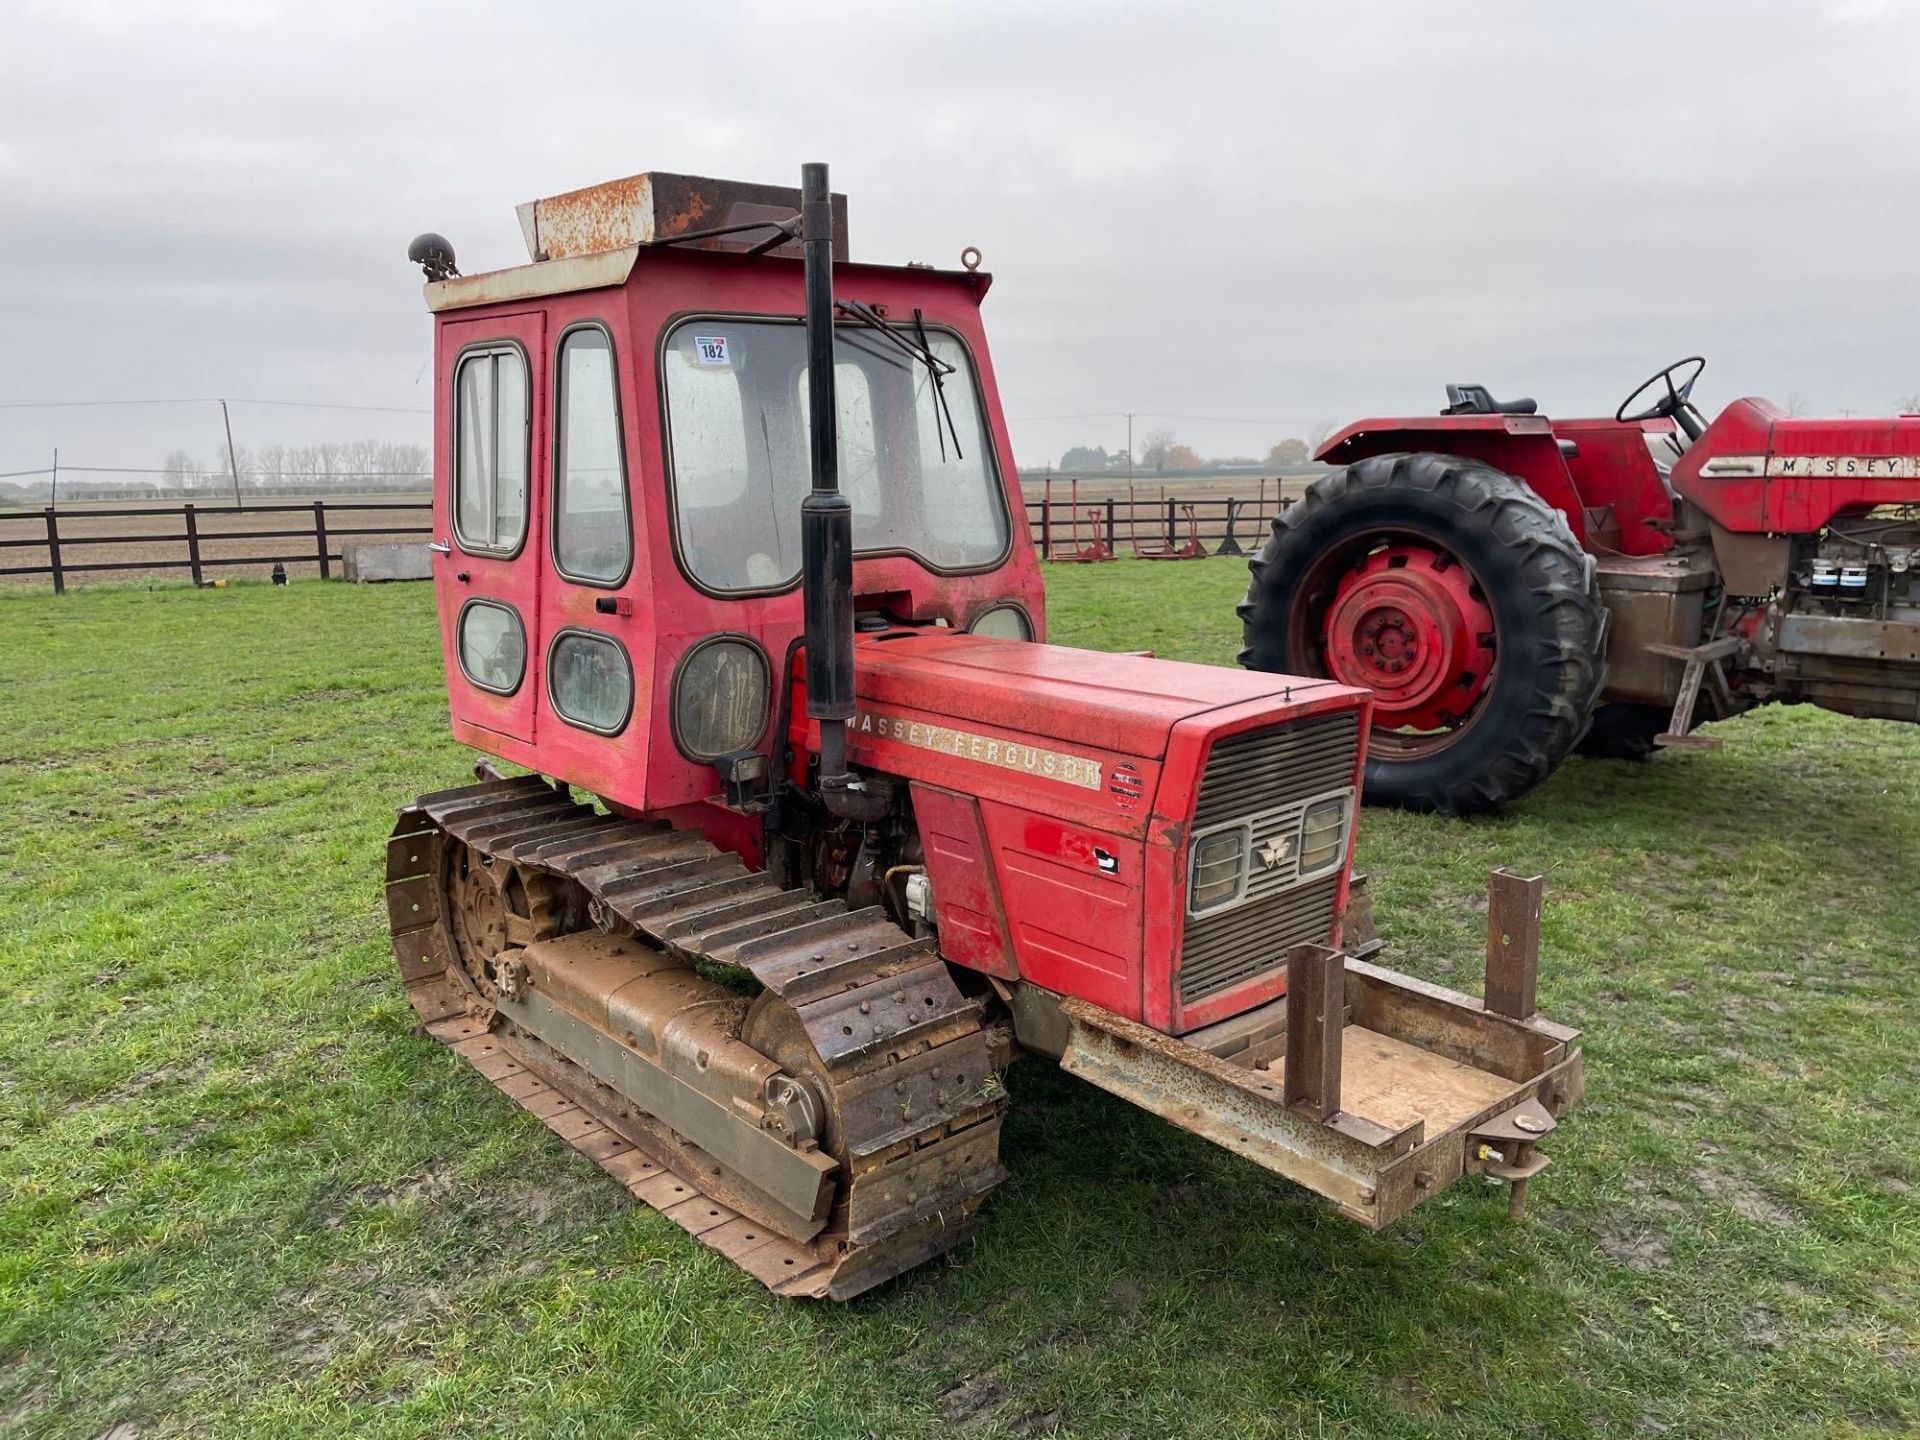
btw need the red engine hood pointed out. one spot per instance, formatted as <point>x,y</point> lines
<point>1125,703</point>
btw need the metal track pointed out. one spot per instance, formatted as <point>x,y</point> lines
<point>868,1013</point>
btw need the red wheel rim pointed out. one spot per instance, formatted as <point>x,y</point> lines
<point>1407,621</point>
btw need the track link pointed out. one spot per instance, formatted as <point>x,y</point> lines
<point>866,1013</point>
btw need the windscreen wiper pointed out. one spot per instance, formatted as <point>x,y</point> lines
<point>920,349</point>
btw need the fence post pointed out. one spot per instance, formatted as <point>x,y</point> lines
<point>1173,526</point>
<point>1229,545</point>
<point>320,536</point>
<point>53,553</point>
<point>1046,528</point>
<point>1113,536</point>
<point>193,543</point>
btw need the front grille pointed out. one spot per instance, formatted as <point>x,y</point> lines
<point>1267,777</point>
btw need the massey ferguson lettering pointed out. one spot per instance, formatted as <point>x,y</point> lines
<point>965,745</point>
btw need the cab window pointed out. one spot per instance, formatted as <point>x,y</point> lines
<point>915,461</point>
<point>490,440</point>
<point>592,539</point>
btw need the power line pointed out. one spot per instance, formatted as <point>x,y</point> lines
<point>1230,419</point>
<point>214,400</point>
<point>1171,415</point>
<point>1093,415</point>
<point>216,470</point>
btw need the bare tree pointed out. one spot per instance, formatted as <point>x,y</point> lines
<point>1908,404</point>
<point>1797,403</point>
<point>1317,434</point>
<point>1158,443</point>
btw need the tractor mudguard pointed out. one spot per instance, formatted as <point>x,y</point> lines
<point>1522,446</point>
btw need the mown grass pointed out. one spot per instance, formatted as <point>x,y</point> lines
<point>239,1195</point>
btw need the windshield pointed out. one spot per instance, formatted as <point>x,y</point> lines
<point>737,415</point>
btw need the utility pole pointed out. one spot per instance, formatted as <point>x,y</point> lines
<point>233,460</point>
<point>54,497</point>
<point>1129,444</point>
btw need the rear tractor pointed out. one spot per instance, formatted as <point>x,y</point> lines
<point>1512,588</point>
<point>819,831</point>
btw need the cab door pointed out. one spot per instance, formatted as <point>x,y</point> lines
<point>487,521</point>
<point>594,615</point>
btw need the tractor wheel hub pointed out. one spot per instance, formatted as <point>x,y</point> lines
<point>1408,623</point>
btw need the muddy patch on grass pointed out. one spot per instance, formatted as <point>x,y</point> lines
<point>1745,1199</point>
<point>312,1328</point>
<point>1761,1328</point>
<point>29,1403</point>
<point>1640,1250</point>
<point>1040,1422</point>
<point>138,1084</point>
<point>973,1402</point>
<point>430,1185</point>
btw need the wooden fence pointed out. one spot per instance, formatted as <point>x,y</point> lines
<point>203,538</point>
<point>197,538</point>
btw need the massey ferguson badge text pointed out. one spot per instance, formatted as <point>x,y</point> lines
<point>1009,754</point>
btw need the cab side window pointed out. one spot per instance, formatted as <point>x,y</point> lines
<point>490,440</point>
<point>592,539</point>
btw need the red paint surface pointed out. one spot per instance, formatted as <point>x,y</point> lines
<point>1077,886</point>
<point>1406,624</point>
<point>966,896</point>
<point>1795,504</point>
<point>1518,445</point>
<point>1112,937</point>
<point>1612,493</point>
<point>641,768</point>
<point>481,718</point>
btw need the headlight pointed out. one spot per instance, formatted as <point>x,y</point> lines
<point>1217,869</point>
<point>720,695</point>
<point>1323,835</point>
<point>1004,622</point>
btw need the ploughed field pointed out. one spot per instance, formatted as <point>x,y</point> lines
<point>239,1195</point>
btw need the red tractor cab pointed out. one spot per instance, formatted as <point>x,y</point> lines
<point>1512,588</point>
<point>731,556</point>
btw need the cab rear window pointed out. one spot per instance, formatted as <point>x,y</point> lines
<point>490,450</point>
<point>591,540</point>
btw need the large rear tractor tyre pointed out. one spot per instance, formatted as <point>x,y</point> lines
<point>1456,595</point>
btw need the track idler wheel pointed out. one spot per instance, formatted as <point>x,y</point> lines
<point>493,907</point>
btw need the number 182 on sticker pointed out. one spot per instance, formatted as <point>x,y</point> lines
<point>710,349</point>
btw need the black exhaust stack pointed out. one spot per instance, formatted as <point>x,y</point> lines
<point>826,516</point>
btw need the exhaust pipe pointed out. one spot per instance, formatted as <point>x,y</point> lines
<point>826,523</point>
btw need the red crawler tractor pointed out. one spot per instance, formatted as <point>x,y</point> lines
<point>734,556</point>
<point>1511,587</point>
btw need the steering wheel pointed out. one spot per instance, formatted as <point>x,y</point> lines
<point>1670,404</point>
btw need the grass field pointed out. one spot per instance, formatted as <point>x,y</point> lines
<point>240,1195</point>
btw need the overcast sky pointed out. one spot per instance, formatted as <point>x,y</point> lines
<point>1266,215</point>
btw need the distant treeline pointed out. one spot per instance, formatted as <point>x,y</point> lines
<point>360,467</point>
